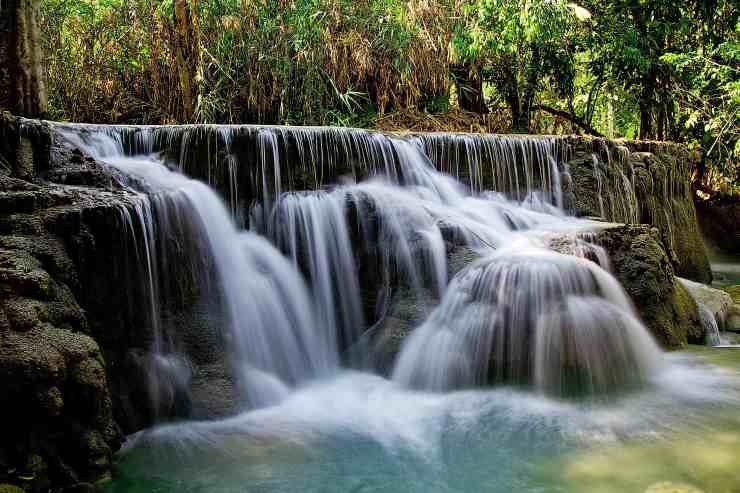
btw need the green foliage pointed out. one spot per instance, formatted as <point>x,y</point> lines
<point>260,60</point>
<point>661,69</point>
<point>709,93</point>
<point>523,46</point>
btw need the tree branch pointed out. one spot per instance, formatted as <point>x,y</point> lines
<point>570,117</point>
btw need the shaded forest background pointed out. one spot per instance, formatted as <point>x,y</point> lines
<point>651,69</point>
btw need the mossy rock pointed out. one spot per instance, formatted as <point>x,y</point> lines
<point>659,175</point>
<point>640,262</point>
<point>409,308</point>
<point>732,321</point>
<point>24,314</point>
<point>734,292</point>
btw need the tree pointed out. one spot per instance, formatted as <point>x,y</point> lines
<point>187,53</point>
<point>521,45</point>
<point>707,92</point>
<point>630,37</point>
<point>22,89</point>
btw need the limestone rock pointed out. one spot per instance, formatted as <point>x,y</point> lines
<point>53,377</point>
<point>716,301</point>
<point>641,264</point>
<point>382,342</point>
<point>213,393</point>
<point>640,182</point>
<point>24,314</point>
<point>732,323</point>
<point>460,257</point>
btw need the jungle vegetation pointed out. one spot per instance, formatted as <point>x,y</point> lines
<point>649,69</point>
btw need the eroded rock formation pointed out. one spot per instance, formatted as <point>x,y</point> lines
<point>640,183</point>
<point>57,418</point>
<point>640,262</point>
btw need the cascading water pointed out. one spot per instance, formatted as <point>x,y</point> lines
<point>378,215</point>
<point>267,313</point>
<point>529,314</point>
<point>710,325</point>
<point>492,315</point>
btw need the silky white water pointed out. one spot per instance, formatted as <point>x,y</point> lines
<point>271,327</point>
<point>570,363</point>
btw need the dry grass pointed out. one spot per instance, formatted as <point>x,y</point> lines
<point>452,121</point>
<point>261,61</point>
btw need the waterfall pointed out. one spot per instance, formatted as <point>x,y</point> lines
<point>341,217</point>
<point>268,317</point>
<point>311,228</point>
<point>528,314</point>
<point>710,326</point>
<point>260,162</point>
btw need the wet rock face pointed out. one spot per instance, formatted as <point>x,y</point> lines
<point>50,371</point>
<point>639,183</point>
<point>75,330</point>
<point>407,308</point>
<point>382,343</point>
<point>57,418</point>
<point>641,264</point>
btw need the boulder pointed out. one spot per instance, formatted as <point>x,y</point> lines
<point>640,262</point>
<point>380,345</point>
<point>715,301</point>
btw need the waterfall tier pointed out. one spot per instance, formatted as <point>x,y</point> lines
<point>521,314</point>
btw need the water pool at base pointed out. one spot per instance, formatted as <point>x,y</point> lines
<point>360,433</point>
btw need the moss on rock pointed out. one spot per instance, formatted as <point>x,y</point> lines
<point>641,264</point>
<point>640,183</point>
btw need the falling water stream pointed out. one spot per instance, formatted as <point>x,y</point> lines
<point>530,371</point>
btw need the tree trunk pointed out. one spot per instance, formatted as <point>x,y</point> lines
<point>647,105</point>
<point>469,88</point>
<point>530,93</point>
<point>610,116</point>
<point>22,89</point>
<point>187,52</point>
<point>646,121</point>
<point>519,116</point>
